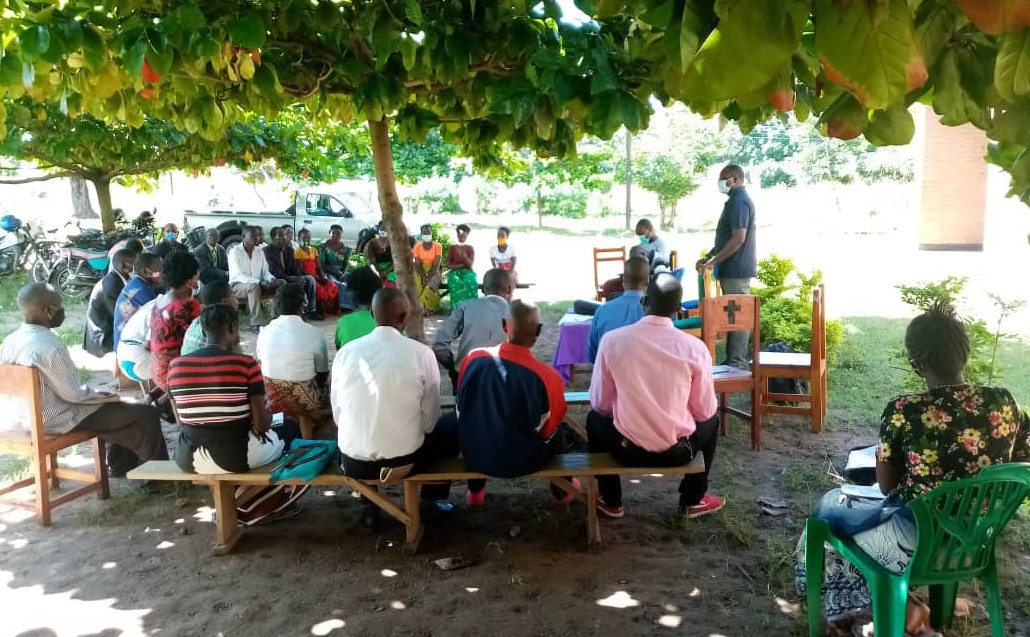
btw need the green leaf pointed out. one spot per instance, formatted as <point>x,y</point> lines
<point>34,40</point>
<point>1012,69</point>
<point>248,32</point>
<point>891,127</point>
<point>414,12</point>
<point>132,59</point>
<point>950,99</point>
<point>10,69</point>
<point>870,49</point>
<point>93,48</point>
<point>767,31</point>
<point>659,15</point>
<point>603,78</point>
<point>408,52</point>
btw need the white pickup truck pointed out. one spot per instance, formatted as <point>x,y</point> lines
<point>314,209</point>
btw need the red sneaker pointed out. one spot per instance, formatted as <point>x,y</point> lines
<point>708,504</point>
<point>610,511</point>
<point>568,497</point>
<point>475,499</point>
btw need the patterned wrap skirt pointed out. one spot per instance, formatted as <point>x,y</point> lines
<point>294,398</point>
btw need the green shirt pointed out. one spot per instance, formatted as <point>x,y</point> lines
<point>353,326</point>
<point>195,339</point>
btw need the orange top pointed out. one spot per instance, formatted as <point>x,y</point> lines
<point>427,255</point>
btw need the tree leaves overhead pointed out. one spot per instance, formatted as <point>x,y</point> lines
<point>996,17</point>
<point>1012,68</point>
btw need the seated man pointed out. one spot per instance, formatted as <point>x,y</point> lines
<point>612,288</point>
<point>133,350</point>
<point>474,323</point>
<point>362,284</point>
<point>142,288</point>
<point>653,401</point>
<point>282,263</point>
<point>294,359</point>
<point>213,259</point>
<point>658,253</point>
<point>249,274</point>
<point>510,406</point>
<point>169,242</point>
<point>132,431</point>
<point>99,338</point>
<point>385,397</point>
<point>626,309</point>
<point>216,293</point>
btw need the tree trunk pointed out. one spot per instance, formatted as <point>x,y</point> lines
<point>80,199</point>
<point>103,187</point>
<point>539,208</point>
<point>629,182</point>
<point>393,212</point>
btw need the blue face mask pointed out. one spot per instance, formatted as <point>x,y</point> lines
<point>170,236</point>
<point>643,239</point>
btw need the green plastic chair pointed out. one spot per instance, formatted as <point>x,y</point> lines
<point>957,525</point>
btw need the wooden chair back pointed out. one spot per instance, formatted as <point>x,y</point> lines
<point>607,255</point>
<point>819,324</point>
<point>674,260</point>
<point>730,313</point>
<point>19,381</point>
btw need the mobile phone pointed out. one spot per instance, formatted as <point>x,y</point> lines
<point>277,419</point>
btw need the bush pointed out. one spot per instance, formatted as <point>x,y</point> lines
<point>571,204</point>
<point>436,202</point>
<point>442,236</point>
<point>770,177</point>
<point>787,306</point>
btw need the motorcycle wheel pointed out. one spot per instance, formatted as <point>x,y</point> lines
<point>40,271</point>
<point>61,278</point>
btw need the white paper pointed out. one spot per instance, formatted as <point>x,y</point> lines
<point>864,458</point>
<point>863,491</point>
<point>575,318</point>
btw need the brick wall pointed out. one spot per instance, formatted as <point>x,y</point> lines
<point>954,186</point>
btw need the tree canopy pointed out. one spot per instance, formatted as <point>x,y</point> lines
<point>513,72</point>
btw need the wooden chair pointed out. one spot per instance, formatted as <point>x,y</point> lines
<point>606,255</point>
<point>736,313</point>
<point>23,383</point>
<point>674,260</point>
<point>810,366</point>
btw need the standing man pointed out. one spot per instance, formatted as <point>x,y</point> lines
<point>385,397</point>
<point>658,253</point>
<point>625,309</point>
<point>132,431</point>
<point>282,263</point>
<point>249,275</point>
<point>653,403</point>
<point>475,323</point>
<point>213,259</point>
<point>735,256</point>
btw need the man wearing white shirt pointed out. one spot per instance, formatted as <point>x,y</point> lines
<point>385,396</point>
<point>249,275</point>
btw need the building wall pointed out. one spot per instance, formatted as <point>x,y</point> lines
<point>954,186</point>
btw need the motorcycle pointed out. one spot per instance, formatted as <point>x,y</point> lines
<point>83,261</point>
<point>22,249</point>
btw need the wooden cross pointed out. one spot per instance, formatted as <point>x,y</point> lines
<point>731,310</point>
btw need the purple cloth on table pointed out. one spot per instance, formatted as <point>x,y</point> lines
<point>572,347</point>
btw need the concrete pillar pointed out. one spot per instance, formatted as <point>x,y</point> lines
<point>954,186</point>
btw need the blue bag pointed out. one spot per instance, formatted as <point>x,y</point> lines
<point>305,460</point>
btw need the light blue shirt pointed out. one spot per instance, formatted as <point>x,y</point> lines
<point>619,312</point>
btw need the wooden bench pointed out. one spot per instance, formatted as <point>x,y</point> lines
<point>407,512</point>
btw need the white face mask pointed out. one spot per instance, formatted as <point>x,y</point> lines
<point>724,185</point>
<point>427,238</point>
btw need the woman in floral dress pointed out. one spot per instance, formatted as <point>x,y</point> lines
<point>946,433</point>
<point>173,312</point>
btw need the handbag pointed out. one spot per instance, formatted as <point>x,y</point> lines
<point>305,460</point>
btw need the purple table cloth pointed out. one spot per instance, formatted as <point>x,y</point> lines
<point>573,343</point>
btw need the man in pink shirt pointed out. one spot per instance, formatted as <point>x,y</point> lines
<point>653,401</point>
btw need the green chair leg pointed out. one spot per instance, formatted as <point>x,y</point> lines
<point>889,595</point>
<point>993,590</point>
<point>815,559</point>
<point>942,604</point>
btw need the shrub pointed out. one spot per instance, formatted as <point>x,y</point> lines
<point>571,204</point>
<point>436,202</point>
<point>770,177</point>
<point>442,236</point>
<point>787,306</point>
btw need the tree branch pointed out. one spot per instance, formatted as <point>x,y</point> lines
<point>47,177</point>
<point>145,169</point>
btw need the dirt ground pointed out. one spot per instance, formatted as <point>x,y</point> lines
<point>141,565</point>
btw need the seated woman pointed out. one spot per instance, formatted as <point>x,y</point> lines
<point>461,280</point>
<point>334,254</point>
<point>294,360</point>
<point>946,433</point>
<point>173,312</point>
<point>380,256</point>
<point>357,321</point>
<point>327,291</point>
<point>219,399</point>
<point>502,255</point>
<point>428,256</point>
